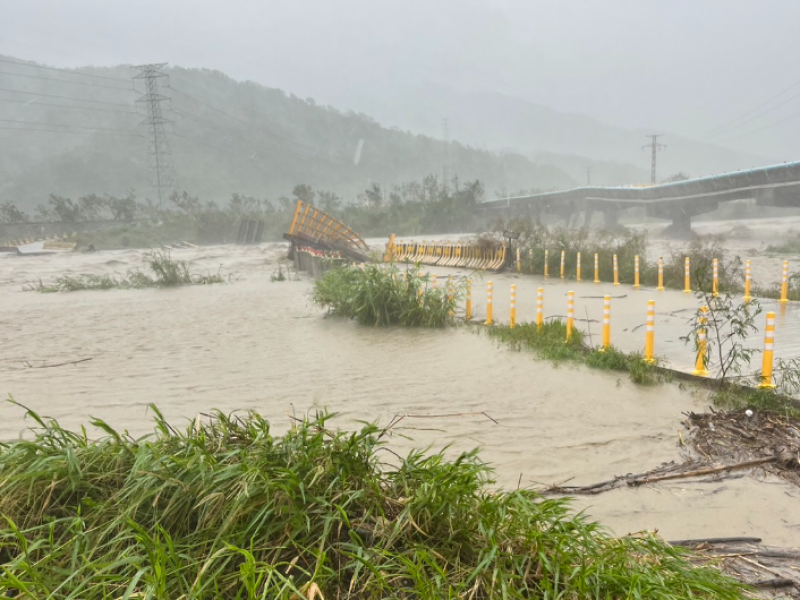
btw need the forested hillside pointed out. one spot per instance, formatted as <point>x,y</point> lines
<point>73,133</point>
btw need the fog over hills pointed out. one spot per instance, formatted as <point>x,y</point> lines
<point>71,134</point>
<point>74,132</point>
<point>570,141</point>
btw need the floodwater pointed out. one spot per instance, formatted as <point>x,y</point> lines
<point>253,344</point>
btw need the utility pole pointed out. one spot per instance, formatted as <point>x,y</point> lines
<point>164,178</point>
<point>655,147</point>
<point>446,155</point>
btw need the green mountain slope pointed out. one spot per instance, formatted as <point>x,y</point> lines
<point>79,132</point>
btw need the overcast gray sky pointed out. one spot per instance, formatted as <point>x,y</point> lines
<point>683,66</point>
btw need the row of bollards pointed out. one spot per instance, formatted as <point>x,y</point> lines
<point>660,265</point>
<point>649,347</point>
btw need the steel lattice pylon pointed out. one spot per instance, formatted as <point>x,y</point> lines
<point>164,177</point>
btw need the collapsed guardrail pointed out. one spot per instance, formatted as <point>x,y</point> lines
<point>314,229</point>
<point>449,254</point>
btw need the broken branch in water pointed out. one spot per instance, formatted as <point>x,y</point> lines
<point>61,364</point>
<point>661,475</point>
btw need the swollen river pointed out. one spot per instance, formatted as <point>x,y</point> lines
<point>254,344</point>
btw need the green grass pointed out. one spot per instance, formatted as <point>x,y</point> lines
<point>383,295</point>
<point>548,342</point>
<point>733,397</point>
<point>225,509</point>
<point>166,273</point>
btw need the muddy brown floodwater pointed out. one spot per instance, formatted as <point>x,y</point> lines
<point>252,344</point>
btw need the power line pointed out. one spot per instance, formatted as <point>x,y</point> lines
<point>70,71</point>
<point>68,126</point>
<point>92,108</point>
<point>63,97</point>
<point>770,126</point>
<point>655,147</point>
<point>766,112</point>
<point>114,132</point>
<point>102,85</point>
<point>250,124</point>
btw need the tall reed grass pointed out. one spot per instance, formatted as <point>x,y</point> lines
<point>166,273</point>
<point>383,295</point>
<point>225,509</point>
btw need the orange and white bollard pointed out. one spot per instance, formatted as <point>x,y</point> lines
<point>539,308</point>
<point>715,281</point>
<point>616,271</point>
<point>546,261</point>
<point>596,268</point>
<point>636,272</point>
<point>489,308</point>
<point>512,321</point>
<point>702,344</point>
<point>785,282</point>
<point>468,310</point>
<point>578,268</point>
<point>563,263</point>
<point>570,313</point>
<point>660,287</point>
<point>687,276</point>
<point>606,322</point>
<point>650,333</point>
<point>769,349</point>
<point>519,262</point>
<point>747,296</point>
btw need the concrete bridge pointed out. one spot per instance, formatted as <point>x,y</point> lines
<point>776,185</point>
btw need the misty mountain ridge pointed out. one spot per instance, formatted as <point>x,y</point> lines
<point>572,142</point>
<point>70,135</point>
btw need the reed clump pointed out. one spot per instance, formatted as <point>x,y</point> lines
<point>225,509</point>
<point>166,272</point>
<point>383,295</point>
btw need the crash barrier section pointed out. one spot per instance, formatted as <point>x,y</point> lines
<point>450,254</point>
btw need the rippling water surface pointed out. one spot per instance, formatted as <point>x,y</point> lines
<point>252,344</point>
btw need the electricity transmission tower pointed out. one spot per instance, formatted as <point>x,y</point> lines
<point>446,155</point>
<point>655,147</point>
<point>164,177</point>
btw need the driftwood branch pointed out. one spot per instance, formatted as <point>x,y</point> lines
<point>653,477</point>
<point>61,364</point>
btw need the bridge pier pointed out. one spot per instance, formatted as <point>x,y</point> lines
<point>681,226</point>
<point>611,218</point>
